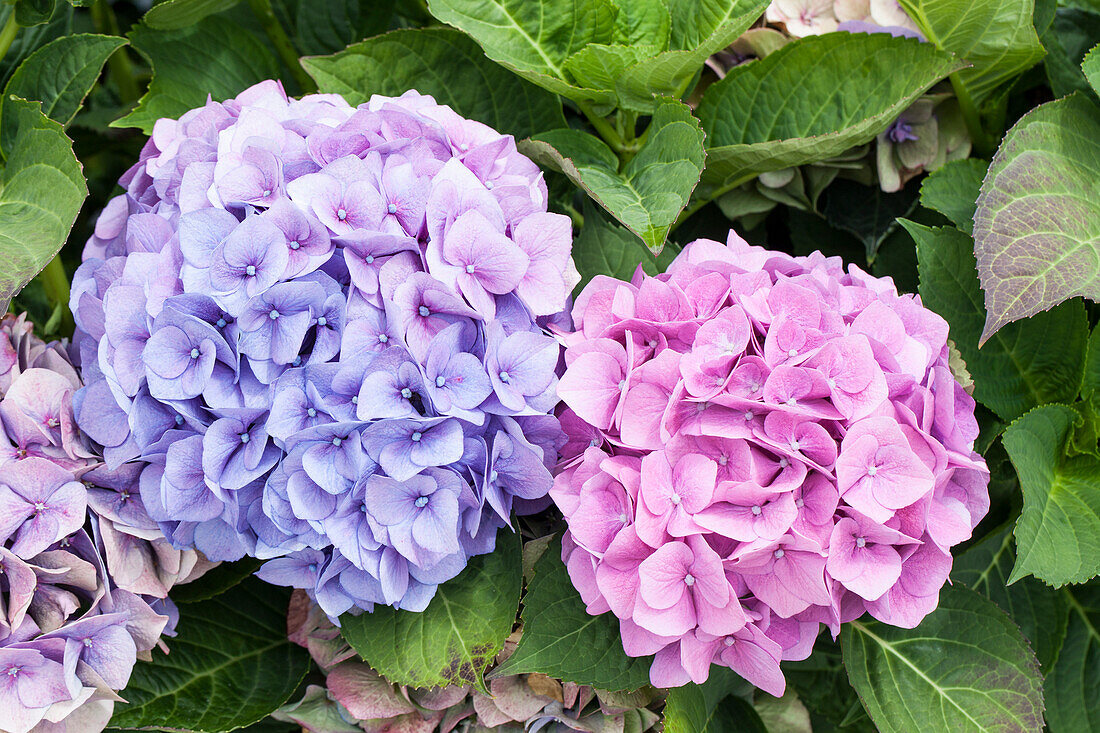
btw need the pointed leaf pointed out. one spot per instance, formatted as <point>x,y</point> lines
<point>1091,67</point>
<point>953,191</point>
<point>457,636</point>
<point>603,247</point>
<point>1072,702</point>
<point>652,189</point>
<point>176,14</point>
<point>707,709</point>
<point>1037,230</point>
<point>965,668</point>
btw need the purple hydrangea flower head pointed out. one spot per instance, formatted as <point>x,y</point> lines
<point>759,444</point>
<point>81,561</point>
<point>318,333</point>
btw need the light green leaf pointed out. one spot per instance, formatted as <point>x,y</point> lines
<point>230,666</point>
<point>446,64</point>
<point>1037,225</point>
<point>41,190</point>
<point>1091,67</point>
<point>785,714</point>
<point>212,57</point>
<point>605,248</point>
<point>176,14</point>
<point>61,73</point>
<point>965,668</point>
<point>652,189</point>
<point>694,21</point>
<point>1058,532</point>
<point>1039,611</point>
<point>560,639</point>
<point>534,37</point>
<point>953,191</point>
<point>457,636</point>
<point>996,37</point>
<point>1025,364</point>
<point>332,25</point>
<point>811,100</point>
<point>1072,702</point>
<point>643,23</point>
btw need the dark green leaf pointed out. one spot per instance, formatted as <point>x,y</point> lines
<point>446,64</point>
<point>1067,41</point>
<point>1073,704</point>
<point>953,191</point>
<point>457,636</point>
<point>33,12</point>
<point>867,212</point>
<point>823,687</point>
<point>176,14</point>
<point>1038,610</point>
<point>330,26</point>
<point>688,710</point>
<point>605,248</point>
<point>41,191</point>
<point>965,668</point>
<point>1037,230</point>
<point>1025,364</point>
<point>560,639</point>
<point>811,100</point>
<point>230,666</point>
<point>652,189</point>
<point>30,39</point>
<point>1090,383</point>
<point>1058,533</point>
<point>213,57</point>
<point>215,581</point>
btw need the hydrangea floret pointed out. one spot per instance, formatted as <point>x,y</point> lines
<point>803,18</point>
<point>356,698</point>
<point>760,444</point>
<point>320,327</point>
<point>83,570</point>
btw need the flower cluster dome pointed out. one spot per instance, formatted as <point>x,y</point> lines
<point>320,328</point>
<point>82,571</point>
<point>760,444</point>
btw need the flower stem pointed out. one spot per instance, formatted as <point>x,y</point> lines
<point>983,142</point>
<point>8,33</point>
<point>609,134</point>
<point>283,45</point>
<point>118,66</point>
<point>55,282</point>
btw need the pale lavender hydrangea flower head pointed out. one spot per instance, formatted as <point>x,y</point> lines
<point>760,444</point>
<point>319,329</point>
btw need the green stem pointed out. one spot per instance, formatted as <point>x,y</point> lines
<point>609,134</point>
<point>696,204</point>
<point>576,216</point>
<point>8,33</point>
<point>283,45</point>
<point>982,141</point>
<point>119,66</point>
<point>56,284</point>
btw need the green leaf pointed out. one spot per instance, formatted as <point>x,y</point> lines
<point>1037,227</point>
<point>230,666</point>
<point>785,714</point>
<point>1090,382</point>
<point>61,73</point>
<point>811,100</point>
<point>560,639</point>
<point>446,64</point>
<point>216,581</point>
<point>953,191</point>
<point>30,39</point>
<point>41,190</point>
<point>996,37</point>
<point>687,711</point>
<point>33,12</point>
<point>1058,532</point>
<point>534,37</point>
<point>213,57</point>
<point>1039,611</point>
<point>867,212</point>
<point>1091,68</point>
<point>643,23</point>
<point>1068,39</point>
<point>457,636</point>
<point>176,14</point>
<point>605,248</point>
<point>1072,702</point>
<point>652,189</point>
<point>1024,365</point>
<point>330,26</point>
<point>965,668</point>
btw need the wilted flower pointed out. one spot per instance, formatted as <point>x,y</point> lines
<point>924,137</point>
<point>315,327</point>
<point>760,444</point>
<point>80,561</point>
<point>356,698</point>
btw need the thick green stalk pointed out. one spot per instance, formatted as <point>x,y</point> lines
<point>8,33</point>
<point>607,131</point>
<point>282,43</point>
<point>983,142</point>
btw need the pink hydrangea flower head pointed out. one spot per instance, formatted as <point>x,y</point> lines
<point>759,444</point>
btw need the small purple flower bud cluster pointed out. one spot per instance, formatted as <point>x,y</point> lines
<point>70,627</point>
<point>760,444</point>
<point>320,329</point>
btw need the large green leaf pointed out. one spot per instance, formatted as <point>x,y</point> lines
<point>41,190</point>
<point>1073,704</point>
<point>1091,68</point>
<point>1067,40</point>
<point>213,57</point>
<point>966,667</point>
<point>953,191</point>
<point>652,189</point>
<point>534,37</point>
<point>1039,611</point>
<point>29,39</point>
<point>1024,365</point>
<point>560,639</point>
<point>1058,532</point>
<point>175,14</point>
<point>457,636</point>
<point>605,248</point>
<point>230,666</point>
<point>446,64</point>
<point>330,26</point>
<point>811,100</point>
<point>1037,227</point>
<point>707,708</point>
<point>996,37</point>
